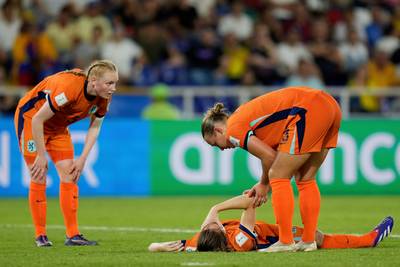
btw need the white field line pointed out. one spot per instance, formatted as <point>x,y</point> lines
<point>124,229</point>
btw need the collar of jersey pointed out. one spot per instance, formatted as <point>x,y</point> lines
<point>87,96</point>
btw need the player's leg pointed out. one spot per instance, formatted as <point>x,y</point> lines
<point>370,239</point>
<point>37,186</point>
<point>283,168</point>
<point>61,152</point>
<point>309,198</point>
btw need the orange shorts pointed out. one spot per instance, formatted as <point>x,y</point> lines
<point>58,143</point>
<point>321,124</point>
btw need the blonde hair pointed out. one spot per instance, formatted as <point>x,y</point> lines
<point>213,115</point>
<point>99,67</point>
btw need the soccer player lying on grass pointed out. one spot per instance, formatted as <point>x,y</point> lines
<point>248,234</point>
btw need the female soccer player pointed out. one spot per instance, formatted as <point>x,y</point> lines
<point>41,123</point>
<point>290,130</point>
<point>248,234</point>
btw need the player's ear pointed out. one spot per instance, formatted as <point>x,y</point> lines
<point>218,129</point>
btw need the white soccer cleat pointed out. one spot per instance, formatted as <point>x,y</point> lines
<point>303,246</point>
<point>279,247</point>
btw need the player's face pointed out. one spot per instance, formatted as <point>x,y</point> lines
<point>218,139</point>
<point>105,86</point>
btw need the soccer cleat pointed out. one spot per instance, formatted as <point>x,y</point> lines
<point>383,230</point>
<point>302,246</point>
<point>279,247</point>
<point>79,240</point>
<point>43,241</point>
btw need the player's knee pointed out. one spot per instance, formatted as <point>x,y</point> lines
<point>275,172</point>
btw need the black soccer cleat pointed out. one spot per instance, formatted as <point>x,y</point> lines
<point>43,241</point>
<point>383,230</point>
<point>79,240</point>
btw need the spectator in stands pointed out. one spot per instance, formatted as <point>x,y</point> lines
<point>84,53</point>
<point>353,52</point>
<point>173,70</point>
<point>124,52</point>
<point>375,30</point>
<point>34,55</point>
<point>326,55</point>
<point>152,38</point>
<point>7,102</point>
<point>160,108</point>
<point>62,31</point>
<point>91,18</point>
<point>234,59</point>
<point>262,59</point>
<point>381,76</point>
<point>291,50</point>
<point>203,57</point>
<point>236,22</point>
<point>307,74</point>
<point>10,23</point>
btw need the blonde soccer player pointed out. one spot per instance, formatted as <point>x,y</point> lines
<point>41,123</point>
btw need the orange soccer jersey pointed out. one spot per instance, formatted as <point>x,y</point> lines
<point>242,239</point>
<point>295,120</point>
<point>66,93</point>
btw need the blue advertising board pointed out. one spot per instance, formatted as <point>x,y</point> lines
<point>117,165</point>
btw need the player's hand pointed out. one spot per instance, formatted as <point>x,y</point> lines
<point>173,246</point>
<point>76,169</point>
<point>259,192</point>
<point>39,168</point>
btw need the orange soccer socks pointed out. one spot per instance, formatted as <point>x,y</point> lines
<point>38,206</point>
<point>310,201</point>
<point>69,207</point>
<point>283,203</point>
<point>349,241</point>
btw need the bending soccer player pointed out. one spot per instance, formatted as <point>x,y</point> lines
<point>287,131</point>
<point>247,234</point>
<point>41,123</point>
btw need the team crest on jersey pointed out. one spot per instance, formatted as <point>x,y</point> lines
<point>93,109</point>
<point>31,146</point>
<point>61,99</point>
<point>234,141</point>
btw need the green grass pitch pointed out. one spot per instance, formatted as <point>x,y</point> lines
<point>125,227</point>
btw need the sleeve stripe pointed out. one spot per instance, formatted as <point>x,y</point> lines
<point>50,103</point>
<point>247,231</point>
<point>246,139</point>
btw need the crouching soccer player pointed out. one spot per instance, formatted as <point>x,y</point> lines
<point>248,234</point>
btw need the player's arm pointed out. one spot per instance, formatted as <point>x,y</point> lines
<point>39,167</point>
<point>267,156</point>
<point>239,202</point>
<point>91,137</point>
<point>169,246</point>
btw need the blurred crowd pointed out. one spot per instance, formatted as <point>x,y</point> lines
<point>207,42</point>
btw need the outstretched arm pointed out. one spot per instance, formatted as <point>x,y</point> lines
<point>170,246</point>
